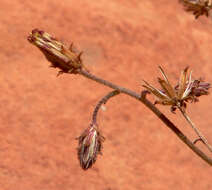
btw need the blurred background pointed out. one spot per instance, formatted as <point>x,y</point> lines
<point>124,42</point>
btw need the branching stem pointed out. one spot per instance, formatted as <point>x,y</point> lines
<point>203,139</point>
<point>157,112</point>
<point>103,101</point>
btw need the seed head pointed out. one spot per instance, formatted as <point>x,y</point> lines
<point>90,145</point>
<point>66,59</point>
<point>187,90</point>
<point>198,7</point>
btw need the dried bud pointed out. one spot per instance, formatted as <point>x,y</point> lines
<point>56,52</point>
<point>198,7</point>
<point>90,145</point>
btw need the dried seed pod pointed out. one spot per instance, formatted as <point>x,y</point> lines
<point>187,90</point>
<point>60,56</point>
<point>90,145</point>
<point>198,7</point>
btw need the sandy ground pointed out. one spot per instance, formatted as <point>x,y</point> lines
<point>123,41</point>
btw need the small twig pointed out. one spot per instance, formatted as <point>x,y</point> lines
<point>157,112</point>
<point>103,101</point>
<point>144,93</point>
<point>204,140</point>
<point>196,140</point>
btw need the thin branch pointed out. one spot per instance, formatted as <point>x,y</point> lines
<point>103,101</point>
<point>157,112</point>
<point>204,140</point>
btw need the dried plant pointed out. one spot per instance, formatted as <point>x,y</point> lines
<point>197,7</point>
<point>60,56</point>
<point>187,90</point>
<point>90,145</point>
<point>90,142</point>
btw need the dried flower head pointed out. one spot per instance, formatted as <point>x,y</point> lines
<point>90,145</point>
<point>186,90</point>
<point>66,59</point>
<point>198,7</point>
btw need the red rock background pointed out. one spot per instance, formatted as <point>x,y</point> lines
<point>124,42</point>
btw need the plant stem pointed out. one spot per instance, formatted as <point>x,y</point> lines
<point>157,112</point>
<point>102,101</point>
<point>203,139</point>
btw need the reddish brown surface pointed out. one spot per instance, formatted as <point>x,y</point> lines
<point>124,41</point>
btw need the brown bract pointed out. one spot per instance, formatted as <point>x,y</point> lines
<point>66,59</point>
<point>198,7</point>
<point>187,90</point>
<point>90,145</point>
